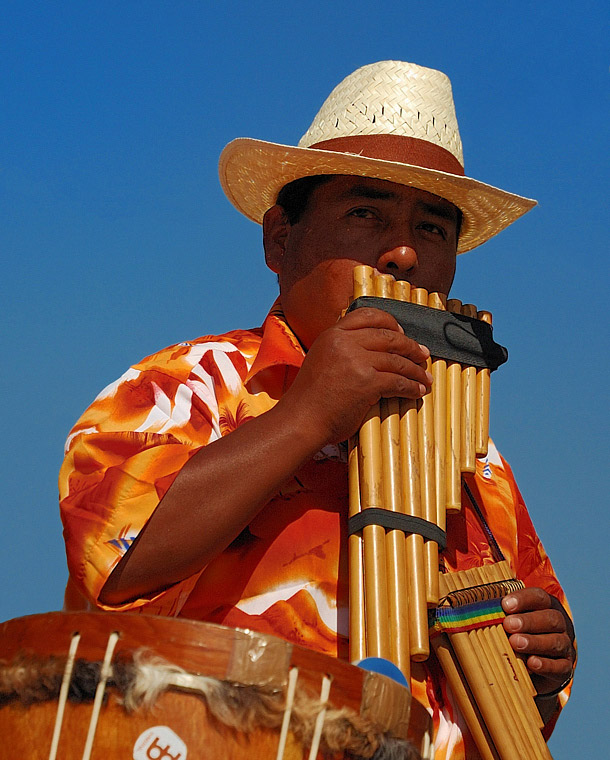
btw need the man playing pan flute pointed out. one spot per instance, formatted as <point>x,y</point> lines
<point>210,480</point>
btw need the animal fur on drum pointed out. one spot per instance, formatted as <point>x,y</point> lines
<point>239,706</point>
<point>246,707</point>
<point>29,680</point>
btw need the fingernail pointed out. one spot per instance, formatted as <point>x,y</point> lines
<point>422,389</point>
<point>514,623</point>
<point>509,603</point>
<point>429,377</point>
<point>535,663</point>
<point>425,349</point>
<point>519,642</point>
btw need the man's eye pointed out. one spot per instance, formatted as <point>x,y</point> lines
<point>434,228</point>
<point>362,213</point>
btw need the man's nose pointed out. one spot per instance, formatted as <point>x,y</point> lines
<point>399,261</point>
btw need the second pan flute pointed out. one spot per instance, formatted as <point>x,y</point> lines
<point>491,684</point>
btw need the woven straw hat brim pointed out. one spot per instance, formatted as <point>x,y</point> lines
<point>252,172</point>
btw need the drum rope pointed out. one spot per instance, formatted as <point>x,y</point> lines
<point>293,677</point>
<point>63,695</point>
<point>99,694</point>
<point>317,733</point>
<point>427,750</point>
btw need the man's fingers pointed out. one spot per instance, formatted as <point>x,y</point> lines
<point>381,332</point>
<point>541,632</point>
<point>537,621</point>
<point>368,317</point>
<point>384,340</point>
<point>392,342</point>
<point>548,657</point>
<point>526,599</point>
<point>397,386</point>
<point>395,370</point>
<point>549,674</point>
<point>555,646</point>
<point>545,667</point>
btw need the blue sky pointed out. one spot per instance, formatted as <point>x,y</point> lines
<point>117,239</point>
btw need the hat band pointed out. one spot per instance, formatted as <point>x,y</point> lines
<point>402,149</point>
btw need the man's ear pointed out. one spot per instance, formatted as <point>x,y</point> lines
<point>275,234</point>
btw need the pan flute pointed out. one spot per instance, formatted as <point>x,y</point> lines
<point>490,683</point>
<point>405,472</point>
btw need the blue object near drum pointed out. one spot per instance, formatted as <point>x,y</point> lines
<point>384,667</point>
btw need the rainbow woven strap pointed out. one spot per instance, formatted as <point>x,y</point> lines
<point>473,607</point>
<point>469,617</point>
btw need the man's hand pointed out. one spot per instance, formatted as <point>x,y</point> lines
<point>540,630</point>
<point>365,356</point>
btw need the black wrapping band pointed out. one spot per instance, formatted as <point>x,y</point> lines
<point>390,520</point>
<point>448,336</point>
<point>558,690</point>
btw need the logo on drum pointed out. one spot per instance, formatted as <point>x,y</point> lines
<point>159,743</point>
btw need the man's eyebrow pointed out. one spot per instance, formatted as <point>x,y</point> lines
<point>442,210</point>
<point>373,193</point>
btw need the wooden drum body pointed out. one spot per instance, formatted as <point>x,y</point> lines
<point>94,686</point>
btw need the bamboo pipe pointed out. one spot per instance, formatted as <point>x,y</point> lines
<point>483,395</point>
<point>371,492</point>
<point>392,499</point>
<point>469,400</point>
<point>357,643</point>
<point>453,473</point>
<point>439,395</point>
<point>425,425</point>
<point>411,499</point>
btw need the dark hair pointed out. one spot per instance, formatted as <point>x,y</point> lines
<point>458,223</point>
<point>294,197</point>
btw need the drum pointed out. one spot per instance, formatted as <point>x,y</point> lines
<point>93,686</point>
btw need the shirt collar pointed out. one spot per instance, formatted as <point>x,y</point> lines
<point>279,345</point>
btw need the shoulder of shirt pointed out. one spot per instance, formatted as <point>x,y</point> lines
<point>190,352</point>
<point>179,360</point>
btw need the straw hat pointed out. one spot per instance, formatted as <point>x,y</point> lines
<point>389,120</point>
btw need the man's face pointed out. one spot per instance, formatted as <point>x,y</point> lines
<point>350,220</point>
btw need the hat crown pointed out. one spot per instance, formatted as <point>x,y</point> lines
<point>390,98</point>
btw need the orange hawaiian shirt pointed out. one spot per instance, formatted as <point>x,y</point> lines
<point>286,573</point>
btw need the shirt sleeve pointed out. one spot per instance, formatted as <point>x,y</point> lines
<point>534,568</point>
<point>121,458</point>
